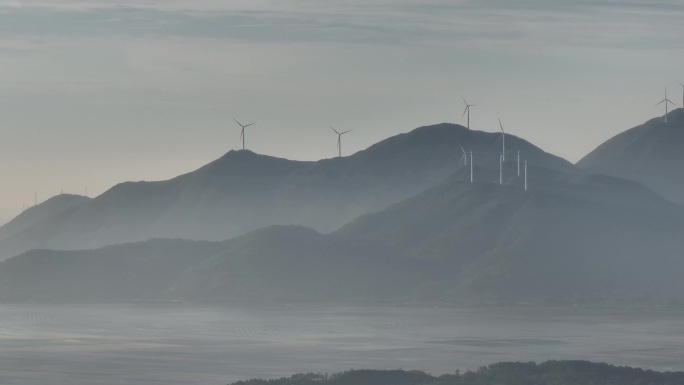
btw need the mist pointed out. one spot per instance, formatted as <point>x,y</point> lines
<point>428,191</point>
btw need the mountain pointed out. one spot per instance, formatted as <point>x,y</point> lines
<point>568,237</point>
<point>650,153</point>
<point>36,214</point>
<point>244,191</point>
<point>272,265</point>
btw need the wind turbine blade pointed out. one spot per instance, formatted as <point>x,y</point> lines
<point>251,124</point>
<point>242,133</point>
<point>661,102</point>
<point>240,124</point>
<point>334,130</point>
<point>462,149</point>
<point>501,125</point>
<point>464,111</point>
<point>342,133</point>
<point>464,101</point>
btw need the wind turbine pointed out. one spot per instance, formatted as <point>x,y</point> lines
<point>464,157</point>
<point>339,140</point>
<point>467,110</point>
<point>666,100</point>
<point>503,141</point>
<point>242,132</point>
<point>515,142</point>
<point>471,164</point>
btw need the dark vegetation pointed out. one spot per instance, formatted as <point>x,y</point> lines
<point>503,373</point>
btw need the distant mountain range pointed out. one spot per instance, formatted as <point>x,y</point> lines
<point>243,191</point>
<point>568,237</point>
<point>399,222</point>
<point>651,153</point>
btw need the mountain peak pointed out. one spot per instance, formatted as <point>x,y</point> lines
<point>650,153</point>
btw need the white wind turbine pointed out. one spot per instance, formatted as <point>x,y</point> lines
<point>666,101</point>
<point>467,110</point>
<point>515,142</point>
<point>339,140</point>
<point>242,132</point>
<point>471,165</point>
<point>503,141</point>
<point>464,157</point>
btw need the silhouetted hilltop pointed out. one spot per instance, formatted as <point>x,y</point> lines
<point>508,373</point>
<point>243,191</point>
<point>650,153</point>
<point>54,206</point>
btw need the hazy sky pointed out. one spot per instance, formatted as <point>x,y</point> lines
<point>96,92</point>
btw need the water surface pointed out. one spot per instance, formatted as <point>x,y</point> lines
<point>177,344</point>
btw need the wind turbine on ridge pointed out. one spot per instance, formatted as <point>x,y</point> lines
<point>470,151</point>
<point>682,93</point>
<point>467,110</point>
<point>242,132</point>
<point>464,157</point>
<point>666,100</point>
<point>515,143</point>
<point>503,141</point>
<point>339,140</point>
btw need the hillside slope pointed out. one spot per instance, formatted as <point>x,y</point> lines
<point>243,191</point>
<point>650,153</point>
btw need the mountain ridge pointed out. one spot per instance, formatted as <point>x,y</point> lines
<point>243,191</point>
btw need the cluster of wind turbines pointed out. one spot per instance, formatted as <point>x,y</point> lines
<point>339,135</point>
<point>502,156</point>
<point>667,101</point>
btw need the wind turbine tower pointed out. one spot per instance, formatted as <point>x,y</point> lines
<point>525,175</point>
<point>666,100</point>
<point>682,93</point>
<point>467,111</point>
<point>503,141</point>
<point>339,140</point>
<point>500,169</point>
<point>515,142</point>
<point>242,131</point>
<point>471,165</point>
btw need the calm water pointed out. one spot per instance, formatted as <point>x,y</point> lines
<point>197,345</point>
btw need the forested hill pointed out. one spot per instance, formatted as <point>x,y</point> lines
<point>503,373</point>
